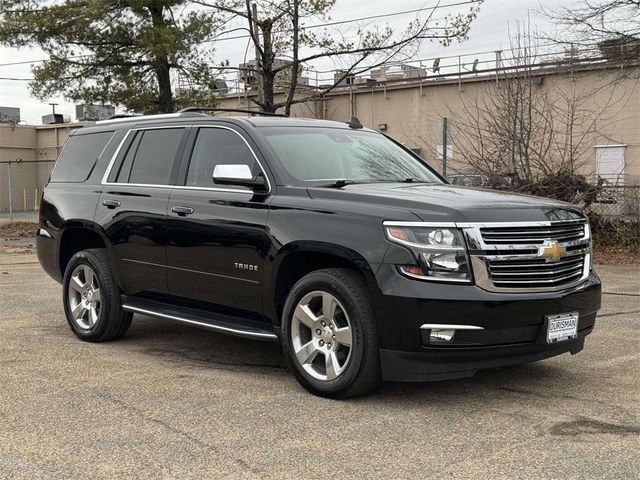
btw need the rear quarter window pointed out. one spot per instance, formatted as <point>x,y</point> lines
<point>79,156</point>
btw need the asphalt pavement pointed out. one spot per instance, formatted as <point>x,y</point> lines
<point>174,402</point>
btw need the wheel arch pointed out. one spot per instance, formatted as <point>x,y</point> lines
<point>297,259</point>
<point>75,237</point>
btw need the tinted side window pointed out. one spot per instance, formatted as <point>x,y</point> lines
<point>217,146</point>
<point>79,156</point>
<point>154,157</point>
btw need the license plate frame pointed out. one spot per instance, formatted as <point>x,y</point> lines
<point>562,327</point>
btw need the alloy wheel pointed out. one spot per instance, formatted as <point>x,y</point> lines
<point>84,297</point>
<point>321,335</point>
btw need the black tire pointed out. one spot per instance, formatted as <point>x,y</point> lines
<point>112,321</point>
<point>362,370</point>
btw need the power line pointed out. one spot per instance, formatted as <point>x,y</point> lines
<point>329,24</point>
<point>359,19</point>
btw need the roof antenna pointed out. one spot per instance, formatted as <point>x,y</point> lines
<point>355,123</point>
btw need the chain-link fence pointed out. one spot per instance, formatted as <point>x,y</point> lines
<point>618,202</point>
<point>21,184</point>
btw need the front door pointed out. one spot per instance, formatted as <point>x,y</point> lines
<point>217,238</point>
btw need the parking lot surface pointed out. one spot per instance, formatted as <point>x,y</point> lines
<point>171,401</point>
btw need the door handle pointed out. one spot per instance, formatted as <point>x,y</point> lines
<point>111,203</point>
<point>182,211</point>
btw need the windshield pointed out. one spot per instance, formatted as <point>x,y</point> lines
<point>322,155</point>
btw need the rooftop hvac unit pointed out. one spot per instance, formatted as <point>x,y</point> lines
<point>9,115</point>
<point>87,112</point>
<point>52,118</point>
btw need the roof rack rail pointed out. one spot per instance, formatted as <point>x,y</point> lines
<point>234,110</point>
<point>120,115</point>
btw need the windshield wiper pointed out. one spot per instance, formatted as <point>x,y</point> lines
<point>338,184</point>
<point>405,180</point>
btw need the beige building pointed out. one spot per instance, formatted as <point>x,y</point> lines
<point>27,154</point>
<point>593,110</point>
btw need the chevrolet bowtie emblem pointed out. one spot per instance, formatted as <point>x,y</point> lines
<point>553,251</point>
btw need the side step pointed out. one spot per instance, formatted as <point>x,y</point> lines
<point>238,326</point>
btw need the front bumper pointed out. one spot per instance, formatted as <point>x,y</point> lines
<point>514,326</point>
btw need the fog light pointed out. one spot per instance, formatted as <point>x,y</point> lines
<point>439,335</point>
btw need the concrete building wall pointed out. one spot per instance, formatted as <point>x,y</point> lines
<point>27,155</point>
<point>608,103</point>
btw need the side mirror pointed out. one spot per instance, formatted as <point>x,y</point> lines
<point>239,175</point>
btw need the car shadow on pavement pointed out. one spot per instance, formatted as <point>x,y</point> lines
<point>198,348</point>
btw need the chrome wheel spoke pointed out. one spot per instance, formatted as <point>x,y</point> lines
<point>97,296</point>
<point>332,366</point>
<point>88,276</point>
<point>306,353</point>
<point>329,305</point>
<point>93,316</point>
<point>305,316</point>
<point>343,336</point>
<point>78,311</point>
<point>76,284</point>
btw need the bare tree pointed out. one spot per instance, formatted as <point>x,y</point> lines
<point>595,20</point>
<point>609,27</point>
<point>277,30</point>
<point>527,136</point>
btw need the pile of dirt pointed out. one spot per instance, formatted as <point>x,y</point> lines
<point>18,229</point>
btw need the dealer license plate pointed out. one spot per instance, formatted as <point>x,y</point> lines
<point>563,326</point>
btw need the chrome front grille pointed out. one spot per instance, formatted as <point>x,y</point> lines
<point>536,273</point>
<point>529,256</point>
<point>533,235</point>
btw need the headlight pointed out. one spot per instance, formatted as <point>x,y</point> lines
<point>440,251</point>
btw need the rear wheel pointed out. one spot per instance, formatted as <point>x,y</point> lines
<point>92,299</point>
<point>328,334</point>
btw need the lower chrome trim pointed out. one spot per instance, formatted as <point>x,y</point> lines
<point>431,326</point>
<point>218,328</point>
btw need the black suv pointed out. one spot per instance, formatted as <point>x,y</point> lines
<point>333,239</point>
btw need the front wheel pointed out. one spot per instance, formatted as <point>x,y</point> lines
<point>329,335</point>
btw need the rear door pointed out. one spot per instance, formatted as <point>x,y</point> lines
<point>133,204</point>
<point>217,238</point>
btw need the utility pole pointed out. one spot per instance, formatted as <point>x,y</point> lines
<point>256,37</point>
<point>445,134</point>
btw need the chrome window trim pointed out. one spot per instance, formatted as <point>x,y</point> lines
<point>182,187</point>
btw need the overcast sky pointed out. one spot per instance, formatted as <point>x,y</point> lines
<point>489,32</point>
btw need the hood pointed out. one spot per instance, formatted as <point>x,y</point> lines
<point>452,203</point>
